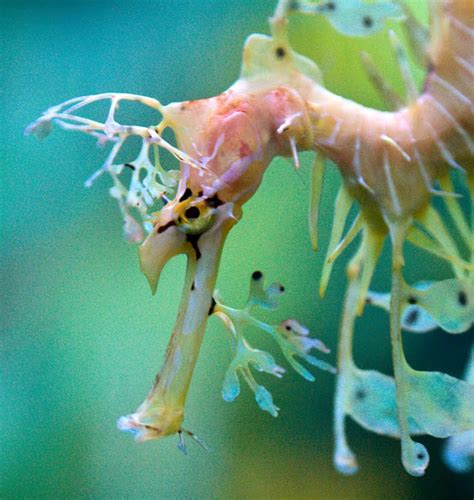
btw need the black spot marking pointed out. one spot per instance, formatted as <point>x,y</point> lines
<point>360,394</point>
<point>192,213</point>
<point>213,305</point>
<point>412,300</point>
<point>129,165</point>
<point>288,327</point>
<point>368,300</point>
<point>193,239</point>
<point>462,298</point>
<point>331,6</point>
<point>214,201</point>
<point>187,194</point>
<point>257,275</point>
<point>420,456</point>
<point>282,288</point>
<point>280,52</point>
<point>367,21</point>
<point>162,229</point>
<point>412,317</point>
<point>192,286</point>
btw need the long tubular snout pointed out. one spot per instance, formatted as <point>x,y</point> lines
<point>162,412</point>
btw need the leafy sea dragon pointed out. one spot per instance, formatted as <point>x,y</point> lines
<point>389,162</point>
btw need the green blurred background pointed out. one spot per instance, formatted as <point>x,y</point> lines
<point>82,338</point>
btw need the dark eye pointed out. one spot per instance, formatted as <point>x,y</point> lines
<point>192,213</point>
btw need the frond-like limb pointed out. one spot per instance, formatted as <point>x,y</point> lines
<point>292,338</point>
<point>149,182</point>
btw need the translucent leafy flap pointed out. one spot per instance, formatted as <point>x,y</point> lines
<point>259,59</point>
<point>353,17</point>
<point>439,405</point>
<point>373,404</point>
<point>450,303</point>
<point>357,18</point>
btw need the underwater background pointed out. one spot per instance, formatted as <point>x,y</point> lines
<point>82,338</point>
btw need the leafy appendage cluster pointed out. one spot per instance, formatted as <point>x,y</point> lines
<point>292,338</point>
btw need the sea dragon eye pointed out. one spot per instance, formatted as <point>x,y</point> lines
<point>194,216</point>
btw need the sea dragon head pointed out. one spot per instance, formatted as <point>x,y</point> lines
<point>176,230</point>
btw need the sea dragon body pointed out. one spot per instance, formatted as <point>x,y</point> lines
<point>389,162</point>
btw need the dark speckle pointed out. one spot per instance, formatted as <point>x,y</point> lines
<point>462,298</point>
<point>420,456</point>
<point>187,194</point>
<point>280,52</point>
<point>282,288</point>
<point>367,21</point>
<point>257,275</point>
<point>214,201</point>
<point>360,394</point>
<point>192,286</point>
<point>213,305</point>
<point>130,166</point>
<point>412,317</point>
<point>331,6</point>
<point>161,229</point>
<point>193,239</point>
<point>412,300</point>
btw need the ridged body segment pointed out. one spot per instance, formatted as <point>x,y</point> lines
<point>394,157</point>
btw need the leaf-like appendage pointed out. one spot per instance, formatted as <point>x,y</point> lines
<point>459,452</point>
<point>292,337</point>
<point>372,403</point>
<point>450,303</point>
<point>266,298</point>
<point>438,404</point>
<point>354,17</point>
<point>414,318</point>
<point>447,304</point>
<point>245,357</point>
